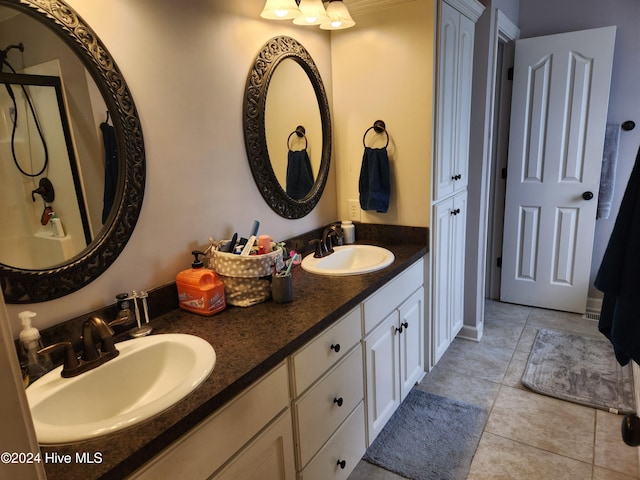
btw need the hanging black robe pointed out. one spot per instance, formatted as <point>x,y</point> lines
<point>619,276</point>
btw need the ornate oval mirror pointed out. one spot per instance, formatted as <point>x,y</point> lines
<point>70,144</point>
<point>284,91</point>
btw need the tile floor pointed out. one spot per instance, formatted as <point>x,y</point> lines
<point>527,436</point>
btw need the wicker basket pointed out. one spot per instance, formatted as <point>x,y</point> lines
<point>247,279</point>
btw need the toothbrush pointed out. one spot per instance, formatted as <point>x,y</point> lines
<point>248,246</point>
<point>145,308</point>
<point>288,271</point>
<point>254,230</point>
<point>136,308</point>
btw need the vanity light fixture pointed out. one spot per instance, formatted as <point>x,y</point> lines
<point>312,12</point>
<point>335,16</point>
<point>280,10</point>
<point>339,16</point>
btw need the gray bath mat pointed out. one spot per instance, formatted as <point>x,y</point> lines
<point>579,369</point>
<point>429,437</point>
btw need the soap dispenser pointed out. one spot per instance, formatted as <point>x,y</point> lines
<point>30,343</point>
<point>199,289</point>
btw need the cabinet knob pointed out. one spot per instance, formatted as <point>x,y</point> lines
<point>455,212</point>
<point>405,325</point>
<point>456,177</point>
<point>399,329</point>
<point>342,464</point>
<point>335,347</point>
<point>338,400</point>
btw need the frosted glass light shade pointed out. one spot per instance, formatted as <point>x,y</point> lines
<point>339,16</point>
<point>280,10</point>
<point>312,12</point>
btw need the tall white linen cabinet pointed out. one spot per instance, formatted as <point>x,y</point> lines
<point>454,60</point>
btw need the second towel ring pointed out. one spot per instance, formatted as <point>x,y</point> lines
<point>379,127</point>
<point>301,133</point>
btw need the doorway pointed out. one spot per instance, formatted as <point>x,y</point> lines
<point>506,34</point>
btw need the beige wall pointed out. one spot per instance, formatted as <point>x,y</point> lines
<point>383,69</point>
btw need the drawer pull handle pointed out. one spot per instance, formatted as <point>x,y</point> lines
<point>338,401</point>
<point>335,347</point>
<point>342,464</point>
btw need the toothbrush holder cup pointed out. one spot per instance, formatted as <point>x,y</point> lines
<point>282,288</point>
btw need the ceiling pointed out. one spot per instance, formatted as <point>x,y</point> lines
<point>360,7</point>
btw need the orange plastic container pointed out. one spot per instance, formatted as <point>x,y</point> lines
<point>199,289</point>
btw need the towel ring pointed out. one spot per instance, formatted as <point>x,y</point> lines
<point>379,127</point>
<point>300,132</point>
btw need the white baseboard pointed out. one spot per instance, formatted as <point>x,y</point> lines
<point>469,332</point>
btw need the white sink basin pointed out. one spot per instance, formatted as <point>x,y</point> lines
<point>349,260</point>
<point>148,376</point>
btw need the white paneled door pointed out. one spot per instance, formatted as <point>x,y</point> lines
<point>558,118</point>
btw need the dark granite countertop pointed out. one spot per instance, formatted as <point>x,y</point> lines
<point>248,342</point>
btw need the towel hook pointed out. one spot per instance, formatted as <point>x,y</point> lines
<point>301,133</point>
<point>379,127</point>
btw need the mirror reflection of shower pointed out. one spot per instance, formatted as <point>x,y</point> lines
<point>13,114</point>
<point>36,145</point>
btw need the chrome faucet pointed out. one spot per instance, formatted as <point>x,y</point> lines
<point>324,246</point>
<point>91,357</point>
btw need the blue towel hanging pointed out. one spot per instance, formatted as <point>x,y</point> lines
<point>299,174</point>
<point>375,182</point>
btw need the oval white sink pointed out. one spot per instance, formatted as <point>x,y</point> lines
<point>148,376</point>
<point>349,260</point>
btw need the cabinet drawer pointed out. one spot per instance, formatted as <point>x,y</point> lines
<point>204,449</point>
<point>387,298</point>
<point>347,445</point>
<point>325,350</point>
<point>325,406</point>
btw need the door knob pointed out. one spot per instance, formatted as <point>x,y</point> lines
<point>587,195</point>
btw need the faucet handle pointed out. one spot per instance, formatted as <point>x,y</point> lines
<point>71,362</point>
<point>321,248</point>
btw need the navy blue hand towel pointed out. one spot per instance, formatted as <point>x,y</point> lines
<point>299,174</point>
<point>618,276</point>
<point>375,182</point>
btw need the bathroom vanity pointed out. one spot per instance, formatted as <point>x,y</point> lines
<point>299,390</point>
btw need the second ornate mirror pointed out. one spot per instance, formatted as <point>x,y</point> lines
<point>285,91</point>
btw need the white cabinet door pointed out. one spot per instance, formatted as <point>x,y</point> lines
<point>381,357</point>
<point>411,342</point>
<point>458,237</point>
<point>449,232</point>
<point>455,69</point>
<point>441,276</point>
<point>463,81</point>
<point>270,456</point>
<point>447,90</point>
